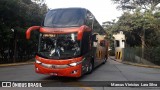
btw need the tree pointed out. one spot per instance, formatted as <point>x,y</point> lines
<point>141,26</point>
<point>19,15</point>
<point>147,5</point>
<point>141,23</point>
<point>40,2</point>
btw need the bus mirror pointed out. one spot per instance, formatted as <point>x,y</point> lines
<point>79,35</point>
<point>28,32</point>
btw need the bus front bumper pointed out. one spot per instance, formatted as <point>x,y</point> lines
<point>71,71</point>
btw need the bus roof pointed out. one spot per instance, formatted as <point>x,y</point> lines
<point>65,17</point>
<point>68,17</point>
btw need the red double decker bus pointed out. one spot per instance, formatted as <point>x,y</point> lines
<point>71,43</point>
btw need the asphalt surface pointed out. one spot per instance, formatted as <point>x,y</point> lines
<point>111,71</point>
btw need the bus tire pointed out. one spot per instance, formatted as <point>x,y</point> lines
<point>90,67</point>
<point>104,60</point>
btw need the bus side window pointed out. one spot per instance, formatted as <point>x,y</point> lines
<point>94,38</point>
<point>89,20</point>
<point>96,27</point>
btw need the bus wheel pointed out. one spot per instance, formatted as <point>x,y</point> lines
<point>104,60</point>
<point>90,68</point>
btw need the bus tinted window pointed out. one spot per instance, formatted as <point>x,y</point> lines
<point>86,42</point>
<point>89,20</point>
<point>64,18</point>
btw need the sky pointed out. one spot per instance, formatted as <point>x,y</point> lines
<point>103,10</point>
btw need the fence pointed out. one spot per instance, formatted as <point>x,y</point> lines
<point>23,53</point>
<point>134,54</point>
<point>6,58</point>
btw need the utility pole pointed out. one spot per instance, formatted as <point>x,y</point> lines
<point>143,41</point>
<point>15,44</point>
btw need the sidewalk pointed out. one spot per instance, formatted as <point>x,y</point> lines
<point>134,64</point>
<point>113,58</point>
<point>17,64</point>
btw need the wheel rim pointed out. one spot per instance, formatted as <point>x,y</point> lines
<point>90,67</point>
<point>104,60</point>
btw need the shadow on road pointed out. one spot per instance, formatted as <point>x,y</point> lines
<point>60,79</point>
<point>69,79</point>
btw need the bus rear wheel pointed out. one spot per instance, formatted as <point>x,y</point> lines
<point>104,60</point>
<point>90,68</point>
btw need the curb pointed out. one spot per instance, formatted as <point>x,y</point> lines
<point>136,64</point>
<point>16,64</point>
<point>115,60</point>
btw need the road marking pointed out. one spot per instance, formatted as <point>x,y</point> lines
<point>135,64</point>
<point>80,85</point>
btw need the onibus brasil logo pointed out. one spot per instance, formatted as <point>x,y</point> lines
<point>21,84</point>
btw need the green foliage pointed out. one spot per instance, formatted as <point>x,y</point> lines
<point>18,15</point>
<point>134,25</point>
<point>141,26</point>
<point>148,5</point>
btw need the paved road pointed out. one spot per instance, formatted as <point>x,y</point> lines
<point>111,71</point>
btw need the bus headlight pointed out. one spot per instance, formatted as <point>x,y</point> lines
<point>75,63</point>
<point>47,65</point>
<point>38,62</point>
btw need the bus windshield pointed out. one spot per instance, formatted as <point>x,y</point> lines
<point>64,18</point>
<point>59,46</point>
